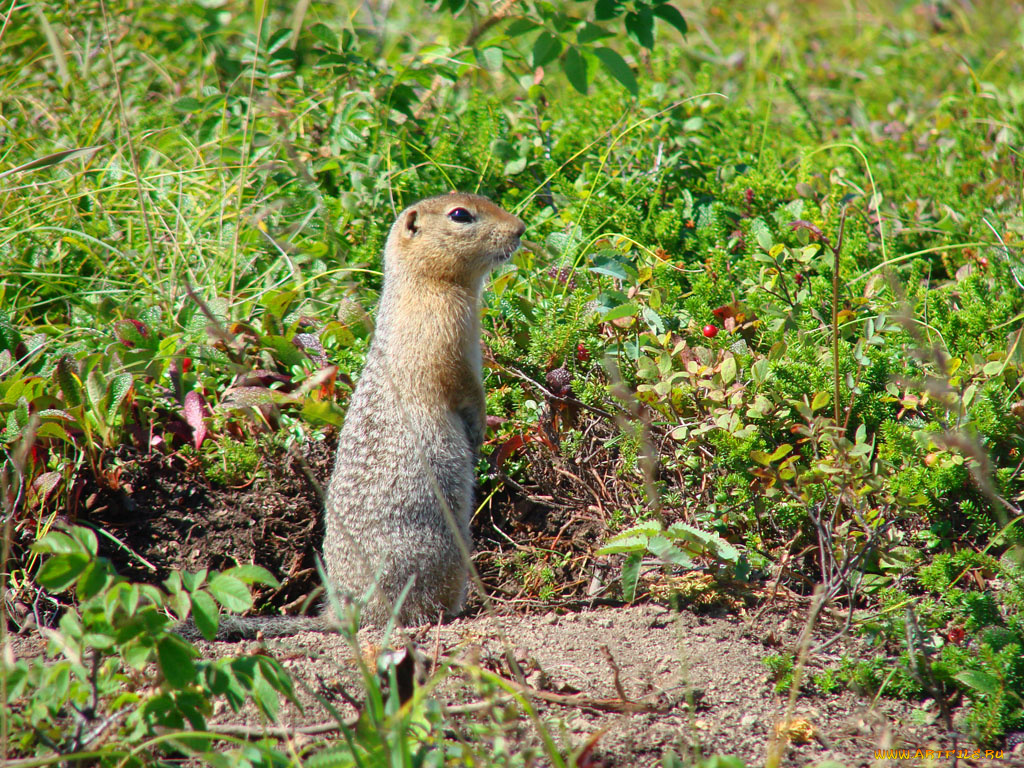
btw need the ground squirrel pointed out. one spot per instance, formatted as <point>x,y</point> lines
<point>401,493</point>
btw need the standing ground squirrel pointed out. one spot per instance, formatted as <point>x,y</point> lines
<point>401,493</point>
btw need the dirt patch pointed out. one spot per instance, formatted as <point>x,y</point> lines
<point>160,517</point>
<point>696,684</point>
<point>702,680</point>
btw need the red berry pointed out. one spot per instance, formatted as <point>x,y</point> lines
<point>582,354</point>
<point>710,331</point>
<point>983,262</point>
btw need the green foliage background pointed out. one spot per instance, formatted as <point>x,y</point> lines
<point>165,168</point>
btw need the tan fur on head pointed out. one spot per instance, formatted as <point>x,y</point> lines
<point>466,236</point>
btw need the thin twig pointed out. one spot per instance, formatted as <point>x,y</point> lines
<point>615,672</point>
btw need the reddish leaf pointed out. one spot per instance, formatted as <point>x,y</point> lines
<point>733,316</point>
<point>311,345</point>
<point>194,406</point>
<point>44,486</point>
<point>512,445</point>
<point>131,333</point>
<point>586,758</point>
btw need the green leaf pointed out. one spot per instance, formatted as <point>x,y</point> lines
<point>515,167</point>
<point>606,9</point>
<point>617,67</point>
<point>250,397</point>
<point>820,400</point>
<point>175,656</point>
<point>760,370</point>
<point>653,319</point>
<point>187,105</point>
<point>274,674</point>
<point>648,528</point>
<point>129,334</point>
<point>992,368</point>
<point>588,33</point>
<point>322,412</point>
<point>85,537</point>
<point>10,339</point>
<point>56,542</point>
<point>61,571</point>
<point>230,592</point>
<point>980,681</point>
<point>325,35</point>
<point>205,614</point>
<point>703,542</point>
<point>668,12</point>
<point>613,267</point>
<point>520,26</point>
<point>68,381</point>
<point>264,695</point>
<point>637,543</point>
<point>117,391</point>
<point>490,58</point>
<point>98,640</point>
<point>728,370</point>
<point>94,578</point>
<point>284,350</point>
<point>278,39</point>
<point>624,310</point>
<point>52,159</point>
<point>640,26</point>
<point>545,48</point>
<point>665,550</point>
<point>278,302</point>
<point>576,70</point>
<point>631,575</point>
<point>95,391</point>
<point>253,574</point>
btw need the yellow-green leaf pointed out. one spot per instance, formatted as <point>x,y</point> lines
<point>821,399</point>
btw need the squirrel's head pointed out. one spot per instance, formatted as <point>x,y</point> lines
<point>457,237</point>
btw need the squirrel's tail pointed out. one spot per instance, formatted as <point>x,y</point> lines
<point>233,628</point>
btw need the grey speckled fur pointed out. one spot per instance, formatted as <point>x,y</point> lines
<point>385,523</point>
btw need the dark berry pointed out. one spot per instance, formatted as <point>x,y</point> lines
<point>559,380</point>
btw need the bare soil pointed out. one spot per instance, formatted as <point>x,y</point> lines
<point>638,680</point>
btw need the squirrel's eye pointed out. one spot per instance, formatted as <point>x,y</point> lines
<point>461,215</point>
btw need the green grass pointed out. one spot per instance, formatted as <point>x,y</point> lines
<point>236,181</point>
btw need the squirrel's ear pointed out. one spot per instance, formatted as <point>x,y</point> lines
<point>409,228</point>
